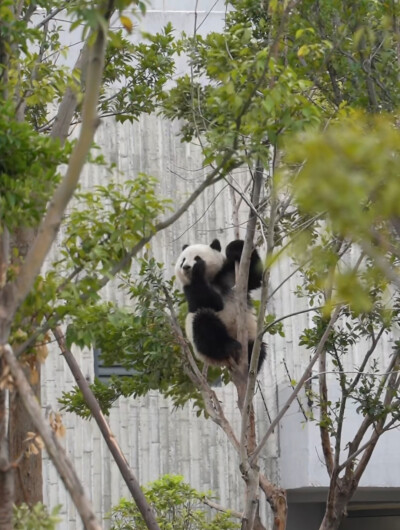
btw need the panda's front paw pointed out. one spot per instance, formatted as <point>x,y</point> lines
<point>199,268</point>
<point>234,250</point>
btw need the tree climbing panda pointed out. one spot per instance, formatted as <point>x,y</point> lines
<point>208,279</point>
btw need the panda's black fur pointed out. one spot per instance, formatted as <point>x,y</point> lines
<point>208,279</point>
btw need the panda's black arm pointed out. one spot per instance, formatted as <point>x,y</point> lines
<point>199,293</point>
<point>226,275</point>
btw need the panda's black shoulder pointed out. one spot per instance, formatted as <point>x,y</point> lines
<point>225,278</point>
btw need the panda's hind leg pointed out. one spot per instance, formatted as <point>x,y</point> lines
<point>212,340</point>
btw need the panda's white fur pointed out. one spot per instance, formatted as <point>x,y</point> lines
<point>219,279</point>
<point>213,258</point>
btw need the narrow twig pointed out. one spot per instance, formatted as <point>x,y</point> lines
<point>220,508</point>
<point>299,385</point>
<point>292,385</point>
<point>51,15</point>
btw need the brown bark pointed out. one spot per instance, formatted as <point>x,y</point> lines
<point>338,497</point>
<point>277,499</point>
<point>324,414</point>
<point>6,472</point>
<point>28,470</point>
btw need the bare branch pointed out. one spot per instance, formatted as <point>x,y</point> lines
<point>299,385</point>
<point>56,452</point>
<point>352,456</point>
<point>94,407</point>
<point>220,508</point>
<point>51,15</point>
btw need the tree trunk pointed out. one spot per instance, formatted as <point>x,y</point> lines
<point>6,473</point>
<point>338,499</point>
<point>28,472</point>
<point>276,498</point>
<point>332,521</point>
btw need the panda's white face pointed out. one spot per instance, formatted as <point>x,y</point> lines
<point>214,261</point>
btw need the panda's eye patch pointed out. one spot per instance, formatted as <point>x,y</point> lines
<point>197,258</point>
<point>183,261</point>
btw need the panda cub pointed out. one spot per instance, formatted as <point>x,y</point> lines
<point>208,279</point>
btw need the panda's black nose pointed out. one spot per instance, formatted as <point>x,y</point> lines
<point>186,267</point>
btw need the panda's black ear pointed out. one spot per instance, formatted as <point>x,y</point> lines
<point>216,245</point>
<point>184,246</point>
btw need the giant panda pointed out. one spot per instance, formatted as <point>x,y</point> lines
<point>208,280</point>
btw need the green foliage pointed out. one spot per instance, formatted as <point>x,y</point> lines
<point>350,172</point>
<point>36,517</point>
<point>28,171</point>
<point>108,221</point>
<point>100,231</point>
<point>177,507</point>
<point>348,51</point>
<point>142,71</point>
<point>238,95</point>
<point>265,76</point>
<point>272,327</point>
<point>141,339</point>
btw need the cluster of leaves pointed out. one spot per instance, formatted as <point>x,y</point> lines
<point>141,339</point>
<point>176,505</point>
<point>350,172</point>
<point>104,226</point>
<point>141,70</point>
<point>239,94</point>
<point>28,170</point>
<point>36,517</point>
<point>348,51</point>
<point>108,221</point>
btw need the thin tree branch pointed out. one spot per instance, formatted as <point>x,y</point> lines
<point>211,401</point>
<point>56,452</point>
<point>220,508</point>
<point>94,407</point>
<point>299,385</point>
<point>51,15</point>
<point>290,315</point>
<point>350,458</point>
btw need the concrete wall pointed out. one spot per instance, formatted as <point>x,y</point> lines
<point>155,437</point>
